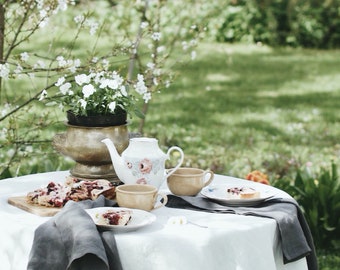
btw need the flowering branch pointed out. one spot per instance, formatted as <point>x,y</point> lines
<point>154,38</point>
<point>135,47</point>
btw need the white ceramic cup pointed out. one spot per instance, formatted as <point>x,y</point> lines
<point>137,196</point>
<point>189,181</point>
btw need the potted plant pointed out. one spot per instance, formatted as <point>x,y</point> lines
<point>101,98</point>
<point>97,105</point>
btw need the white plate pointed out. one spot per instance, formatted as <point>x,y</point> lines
<point>139,219</point>
<point>219,193</point>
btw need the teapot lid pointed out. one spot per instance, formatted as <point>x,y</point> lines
<point>143,139</point>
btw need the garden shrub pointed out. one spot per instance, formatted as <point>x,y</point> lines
<point>311,24</point>
<point>318,194</point>
<point>244,22</point>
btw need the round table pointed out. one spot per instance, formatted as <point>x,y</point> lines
<point>207,241</point>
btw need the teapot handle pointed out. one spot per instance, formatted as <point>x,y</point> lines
<point>175,148</point>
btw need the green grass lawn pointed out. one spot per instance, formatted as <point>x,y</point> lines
<point>238,108</point>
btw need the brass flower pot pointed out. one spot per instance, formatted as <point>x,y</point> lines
<point>84,146</point>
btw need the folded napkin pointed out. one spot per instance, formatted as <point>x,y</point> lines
<point>296,238</point>
<point>70,240</point>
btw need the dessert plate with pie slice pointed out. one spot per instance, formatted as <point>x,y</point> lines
<point>220,194</point>
<point>139,218</point>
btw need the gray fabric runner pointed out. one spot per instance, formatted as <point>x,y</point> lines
<point>296,239</point>
<point>70,240</point>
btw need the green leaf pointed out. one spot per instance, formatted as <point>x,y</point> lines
<point>6,173</point>
<point>139,114</point>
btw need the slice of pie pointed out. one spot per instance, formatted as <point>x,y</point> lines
<point>242,193</point>
<point>53,195</point>
<point>114,217</point>
<point>86,189</point>
<point>57,195</point>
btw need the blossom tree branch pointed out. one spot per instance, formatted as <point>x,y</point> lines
<point>2,32</point>
<point>134,52</point>
<point>144,45</point>
<point>24,104</point>
<point>151,76</point>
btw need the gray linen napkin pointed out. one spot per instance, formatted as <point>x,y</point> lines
<point>70,240</point>
<point>296,238</point>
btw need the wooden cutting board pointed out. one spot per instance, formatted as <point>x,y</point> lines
<point>20,202</point>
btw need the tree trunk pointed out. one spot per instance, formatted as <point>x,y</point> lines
<point>142,121</point>
<point>2,38</point>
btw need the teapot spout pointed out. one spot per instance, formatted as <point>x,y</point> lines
<point>116,159</point>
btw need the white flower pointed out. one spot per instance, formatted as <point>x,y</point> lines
<point>103,83</point>
<point>62,5</point>
<point>123,91</point>
<point>61,61</point>
<point>140,85</point>
<point>150,65</point>
<point>79,19</point>
<point>161,49</point>
<point>146,97</point>
<point>3,133</point>
<point>40,4</point>
<point>77,62</point>
<point>60,81</point>
<point>112,106</point>
<point>193,42</point>
<point>10,152</point>
<point>4,70</point>
<point>144,25</point>
<point>43,95</point>
<point>40,64</point>
<point>117,77</point>
<point>113,84</point>
<point>140,77</point>
<point>43,13</point>
<point>18,69</point>
<point>156,36</point>
<point>43,23</point>
<point>73,65</point>
<point>106,64</point>
<point>6,108</point>
<point>88,90</point>
<point>73,69</point>
<point>157,72</point>
<point>93,28</point>
<point>155,82</point>
<point>185,45</point>
<point>64,88</point>
<point>83,103</point>
<point>82,79</point>
<point>24,56</point>
<point>108,83</point>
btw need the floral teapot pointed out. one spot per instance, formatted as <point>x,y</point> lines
<point>142,162</point>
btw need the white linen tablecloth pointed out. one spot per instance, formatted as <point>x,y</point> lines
<point>225,241</point>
